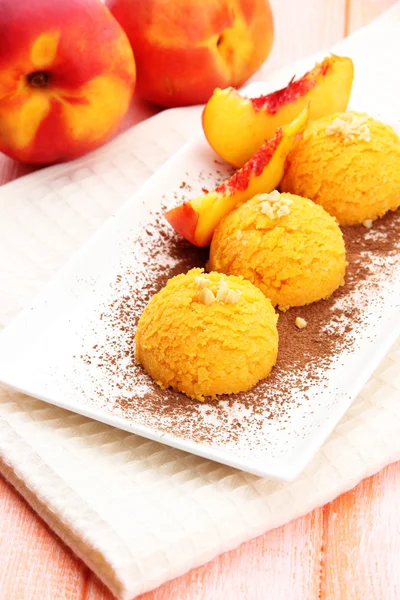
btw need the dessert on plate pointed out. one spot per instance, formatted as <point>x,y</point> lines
<point>349,163</point>
<point>207,334</point>
<point>287,246</point>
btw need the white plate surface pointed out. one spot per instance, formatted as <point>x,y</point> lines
<point>51,350</point>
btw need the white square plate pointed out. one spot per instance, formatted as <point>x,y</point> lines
<point>74,346</point>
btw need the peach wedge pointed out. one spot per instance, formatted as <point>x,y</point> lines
<point>235,127</point>
<point>196,220</point>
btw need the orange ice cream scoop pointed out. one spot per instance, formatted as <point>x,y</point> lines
<point>289,247</point>
<point>207,334</point>
<point>348,163</point>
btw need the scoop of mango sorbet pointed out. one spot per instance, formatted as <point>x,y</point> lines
<point>207,334</point>
<point>288,246</point>
<point>349,163</point>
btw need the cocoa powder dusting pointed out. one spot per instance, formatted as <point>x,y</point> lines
<point>243,422</point>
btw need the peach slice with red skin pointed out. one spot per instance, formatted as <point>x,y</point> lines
<point>196,220</point>
<point>235,127</point>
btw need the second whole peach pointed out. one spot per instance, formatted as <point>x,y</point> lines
<point>186,48</point>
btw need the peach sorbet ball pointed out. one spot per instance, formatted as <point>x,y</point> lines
<point>350,164</point>
<point>289,247</point>
<point>207,334</point>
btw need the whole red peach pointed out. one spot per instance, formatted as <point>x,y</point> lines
<point>67,78</point>
<point>185,48</point>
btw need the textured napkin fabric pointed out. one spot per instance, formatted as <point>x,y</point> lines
<point>139,513</point>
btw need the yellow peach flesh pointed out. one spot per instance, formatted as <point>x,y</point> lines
<point>235,127</point>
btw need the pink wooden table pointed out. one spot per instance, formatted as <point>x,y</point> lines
<point>349,549</point>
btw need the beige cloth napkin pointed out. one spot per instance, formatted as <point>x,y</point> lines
<point>139,513</point>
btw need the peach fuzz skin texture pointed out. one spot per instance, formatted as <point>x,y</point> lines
<point>355,180</point>
<point>186,48</point>
<point>83,67</point>
<point>204,351</point>
<point>294,259</point>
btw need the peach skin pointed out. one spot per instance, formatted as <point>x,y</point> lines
<point>67,78</point>
<point>196,220</point>
<point>235,127</point>
<point>185,48</point>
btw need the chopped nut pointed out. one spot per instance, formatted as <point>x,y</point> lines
<point>202,282</point>
<point>274,196</point>
<point>232,297</point>
<point>210,292</point>
<point>368,223</point>
<point>222,291</point>
<point>266,208</point>
<point>300,323</point>
<point>222,294</point>
<point>283,211</point>
<point>350,126</point>
<point>274,205</point>
<point>225,294</point>
<point>206,296</point>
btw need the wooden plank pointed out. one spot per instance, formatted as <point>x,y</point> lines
<point>362,12</point>
<point>362,541</point>
<point>11,169</point>
<point>35,564</point>
<point>303,28</point>
<point>282,564</point>
<point>96,590</point>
